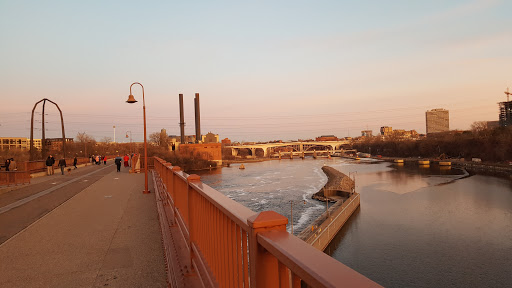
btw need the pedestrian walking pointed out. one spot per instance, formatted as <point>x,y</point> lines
<point>75,161</point>
<point>7,164</point>
<point>118,163</point>
<point>62,164</point>
<point>105,160</point>
<point>53,163</point>
<point>126,159</point>
<point>97,159</point>
<point>12,166</point>
<point>48,166</point>
<point>93,159</point>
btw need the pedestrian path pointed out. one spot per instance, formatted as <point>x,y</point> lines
<point>107,235</point>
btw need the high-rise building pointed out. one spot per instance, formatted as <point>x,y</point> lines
<point>505,113</point>
<point>386,130</point>
<point>438,120</point>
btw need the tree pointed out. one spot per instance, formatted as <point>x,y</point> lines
<point>154,138</point>
<point>86,141</point>
<point>159,139</point>
<point>106,140</point>
<point>480,128</point>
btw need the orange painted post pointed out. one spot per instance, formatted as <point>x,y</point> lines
<point>168,175</point>
<point>191,196</point>
<point>245,258</point>
<point>239,257</point>
<point>295,281</point>
<point>284,275</point>
<point>172,185</point>
<point>263,265</point>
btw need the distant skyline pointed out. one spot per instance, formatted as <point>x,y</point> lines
<point>265,70</point>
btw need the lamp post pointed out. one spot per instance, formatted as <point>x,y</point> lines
<point>131,99</point>
<point>130,141</point>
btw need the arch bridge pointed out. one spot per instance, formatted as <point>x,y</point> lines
<point>292,147</point>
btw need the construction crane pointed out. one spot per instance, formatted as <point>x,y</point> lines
<point>508,94</point>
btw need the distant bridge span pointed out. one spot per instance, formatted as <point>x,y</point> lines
<point>296,147</point>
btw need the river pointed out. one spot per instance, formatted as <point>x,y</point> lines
<point>415,227</point>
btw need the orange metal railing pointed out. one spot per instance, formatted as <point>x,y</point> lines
<point>231,246</point>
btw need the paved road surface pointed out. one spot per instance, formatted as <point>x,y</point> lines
<point>91,228</point>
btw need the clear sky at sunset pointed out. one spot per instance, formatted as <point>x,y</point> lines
<point>264,69</point>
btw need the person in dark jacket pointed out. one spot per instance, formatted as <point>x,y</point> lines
<point>118,163</point>
<point>49,165</point>
<point>75,161</point>
<point>62,164</point>
<point>53,163</point>
<point>7,164</point>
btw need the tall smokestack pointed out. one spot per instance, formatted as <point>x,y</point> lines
<point>198,120</point>
<point>182,121</point>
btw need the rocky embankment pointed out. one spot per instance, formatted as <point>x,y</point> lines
<point>338,185</point>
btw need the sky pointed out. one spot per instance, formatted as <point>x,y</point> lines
<point>265,70</point>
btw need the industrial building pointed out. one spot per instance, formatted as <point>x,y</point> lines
<point>437,120</point>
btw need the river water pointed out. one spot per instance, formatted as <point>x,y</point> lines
<point>416,227</point>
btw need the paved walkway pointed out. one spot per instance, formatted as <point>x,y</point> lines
<point>107,235</point>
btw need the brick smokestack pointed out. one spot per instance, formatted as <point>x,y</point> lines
<point>198,118</point>
<point>182,121</point>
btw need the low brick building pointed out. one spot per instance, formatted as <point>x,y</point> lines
<point>209,151</point>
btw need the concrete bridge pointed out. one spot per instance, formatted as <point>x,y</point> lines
<point>299,147</point>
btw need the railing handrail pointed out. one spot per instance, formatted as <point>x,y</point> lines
<point>334,221</point>
<point>234,210</point>
<point>311,265</point>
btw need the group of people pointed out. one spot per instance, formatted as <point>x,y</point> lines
<point>10,165</point>
<point>50,162</point>
<point>97,159</point>
<point>118,160</point>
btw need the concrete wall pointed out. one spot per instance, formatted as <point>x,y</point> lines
<point>209,151</point>
<point>332,225</point>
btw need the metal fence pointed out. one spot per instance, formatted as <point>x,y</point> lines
<point>230,245</point>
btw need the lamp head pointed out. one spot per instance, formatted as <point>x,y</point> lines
<point>131,99</point>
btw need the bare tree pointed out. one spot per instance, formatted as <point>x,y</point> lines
<point>154,138</point>
<point>85,140</point>
<point>106,140</point>
<point>480,128</point>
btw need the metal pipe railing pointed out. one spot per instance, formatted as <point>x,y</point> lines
<point>231,246</point>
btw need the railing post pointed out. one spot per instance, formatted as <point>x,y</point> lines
<point>192,222</point>
<point>264,267</point>
<point>168,174</point>
<point>172,188</point>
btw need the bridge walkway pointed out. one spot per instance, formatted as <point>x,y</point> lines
<point>105,235</point>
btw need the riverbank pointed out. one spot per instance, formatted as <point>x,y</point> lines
<point>481,168</point>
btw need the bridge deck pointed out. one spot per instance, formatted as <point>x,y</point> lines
<point>106,234</point>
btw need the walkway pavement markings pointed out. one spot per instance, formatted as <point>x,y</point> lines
<point>44,192</point>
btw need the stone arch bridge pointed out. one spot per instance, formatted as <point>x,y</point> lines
<point>293,147</point>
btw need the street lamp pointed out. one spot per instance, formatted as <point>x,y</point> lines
<point>130,100</point>
<point>130,141</point>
